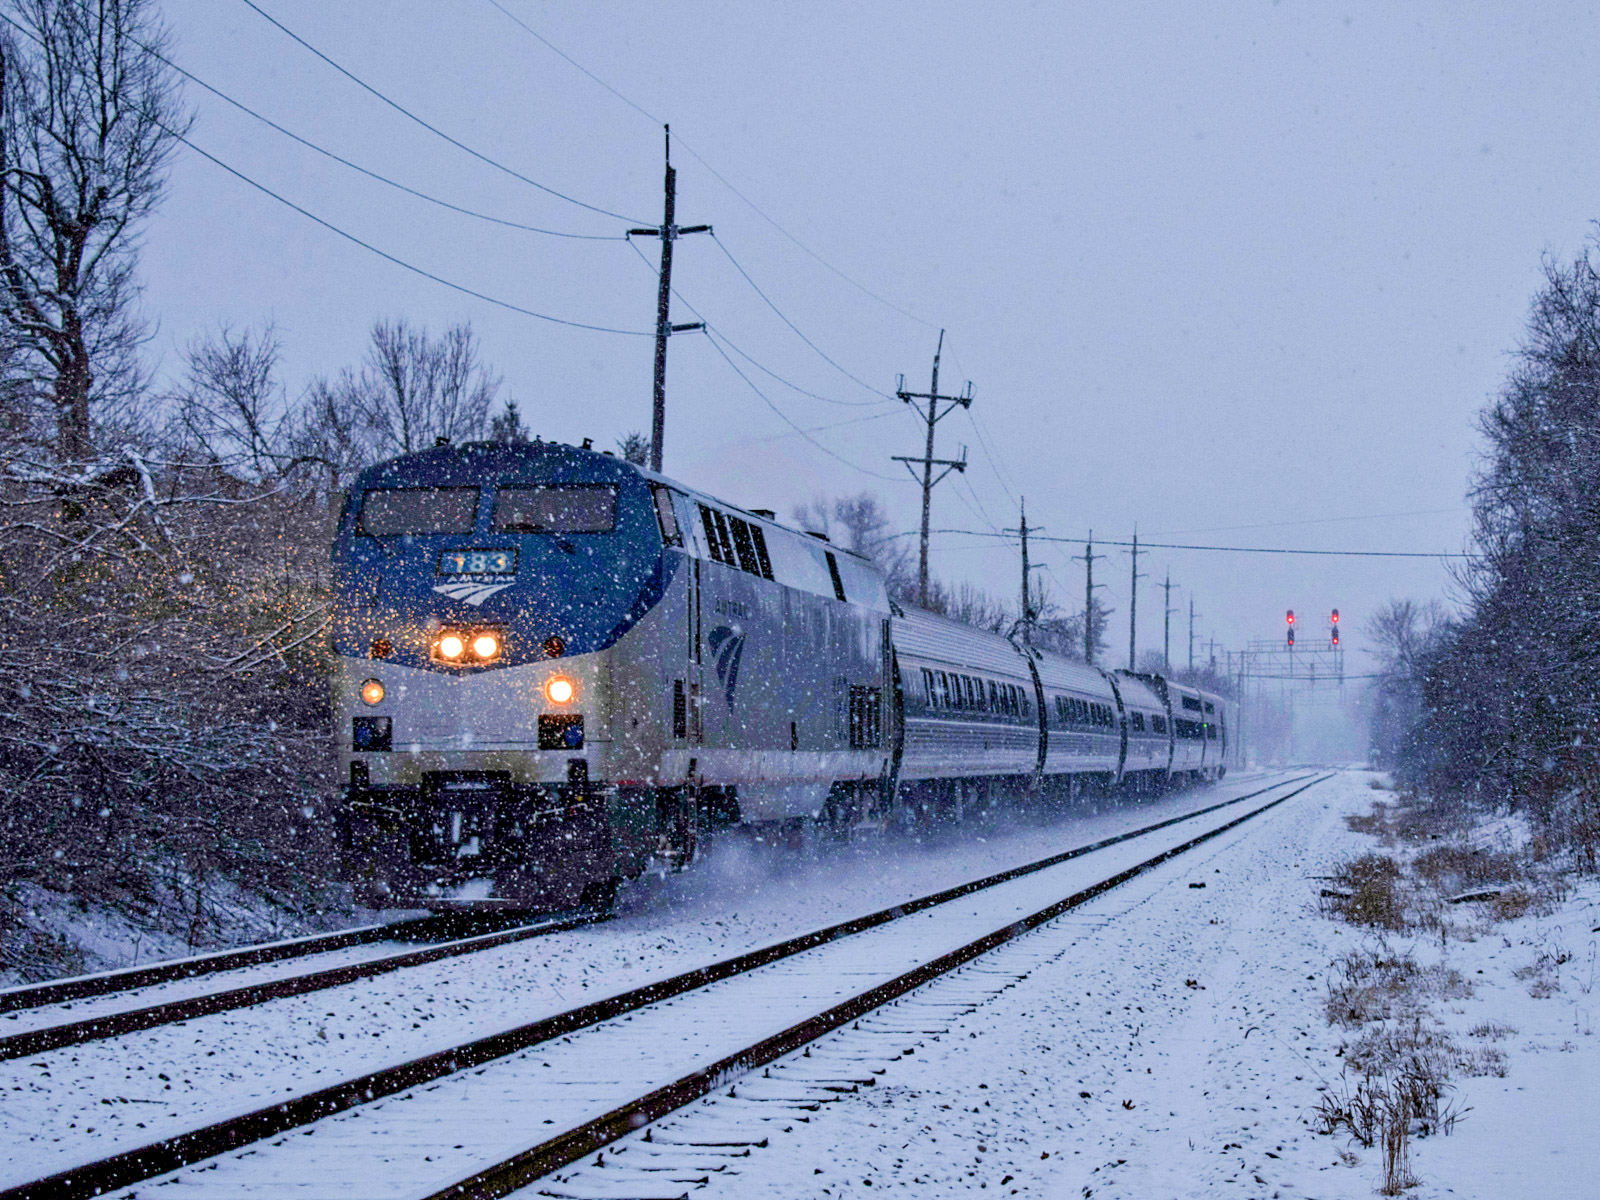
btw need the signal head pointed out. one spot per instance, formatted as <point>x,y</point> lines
<point>1336,616</point>
<point>1291,616</point>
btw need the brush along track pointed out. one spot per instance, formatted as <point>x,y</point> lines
<point>132,1020</point>
<point>649,1004</point>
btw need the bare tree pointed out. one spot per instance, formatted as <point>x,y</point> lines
<point>415,389</point>
<point>507,426</point>
<point>89,116</point>
<point>865,528</point>
<point>635,448</point>
<point>230,407</point>
<point>329,430</point>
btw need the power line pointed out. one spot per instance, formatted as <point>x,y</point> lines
<point>1426,512</point>
<point>433,129</point>
<point>698,157</point>
<point>820,352</point>
<point>756,363</point>
<point>1220,549</point>
<point>714,338</point>
<point>400,262</point>
<point>326,153</point>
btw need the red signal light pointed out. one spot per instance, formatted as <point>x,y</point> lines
<point>1336,637</point>
<point>1291,616</point>
<point>1336,616</point>
<point>1291,639</point>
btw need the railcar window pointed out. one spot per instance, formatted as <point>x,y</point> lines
<point>670,536</point>
<point>762,557</point>
<point>1191,704</point>
<point>724,539</point>
<point>833,571</point>
<point>1210,707</point>
<point>994,697</point>
<point>944,690</point>
<point>557,508</point>
<point>1158,723</point>
<point>744,546</point>
<point>389,511</point>
<point>966,686</point>
<point>927,686</point>
<point>1138,722</point>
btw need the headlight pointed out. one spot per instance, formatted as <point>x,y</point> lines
<point>559,689</point>
<point>486,645</point>
<point>372,691</point>
<point>451,647</point>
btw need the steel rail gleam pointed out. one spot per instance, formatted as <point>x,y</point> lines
<point>153,1016</point>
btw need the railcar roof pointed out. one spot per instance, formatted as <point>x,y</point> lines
<point>922,634</point>
<point>1060,673</point>
<point>1138,692</point>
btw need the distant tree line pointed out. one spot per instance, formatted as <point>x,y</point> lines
<point>1502,702</point>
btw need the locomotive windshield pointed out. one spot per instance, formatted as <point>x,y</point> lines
<point>571,508</point>
<point>389,511</point>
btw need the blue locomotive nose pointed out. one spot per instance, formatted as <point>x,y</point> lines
<point>544,544</point>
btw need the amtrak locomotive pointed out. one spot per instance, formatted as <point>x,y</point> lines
<point>557,669</point>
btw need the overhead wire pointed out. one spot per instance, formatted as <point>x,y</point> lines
<point>796,329</point>
<point>400,262</point>
<point>717,339</point>
<point>698,157</point>
<point>433,129</point>
<point>1143,545</point>
<point>757,364</point>
<point>371,174</point>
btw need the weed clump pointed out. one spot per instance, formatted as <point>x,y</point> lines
<point>1368,892</point>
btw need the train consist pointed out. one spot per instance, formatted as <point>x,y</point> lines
<point>557,669</point>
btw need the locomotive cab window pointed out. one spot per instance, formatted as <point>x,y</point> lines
<point>564,508</point>
<point>386,512</point>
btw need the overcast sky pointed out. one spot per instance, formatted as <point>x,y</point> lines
<point>1235,273</point>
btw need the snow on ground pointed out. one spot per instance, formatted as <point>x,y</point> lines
<point>1175,1046</point>
<point>166,1080</point>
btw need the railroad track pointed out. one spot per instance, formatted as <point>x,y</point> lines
<point>602,1070</point>
<point>119,1021</point>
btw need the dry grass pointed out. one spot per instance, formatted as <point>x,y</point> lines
<point>1491,1031</point>
<point>1367,986</point>
<point>1411,818</point>
<point>1367,892</point>
<point>1458,867</point>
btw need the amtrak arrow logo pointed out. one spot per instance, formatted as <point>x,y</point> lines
<point>727,644</point>
<point>471,591</point>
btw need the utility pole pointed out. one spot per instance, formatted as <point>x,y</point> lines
<point>1166,627</point>
<point>668,233</point>
<point>1027,603</point>
<point>1133,604</point>
<point>1191,633</point>
<point>927,460</point>
<point>1088,598</point>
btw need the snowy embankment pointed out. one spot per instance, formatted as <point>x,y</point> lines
<point>1173,1040</point>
